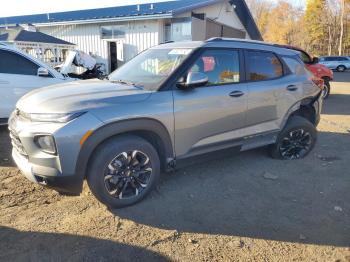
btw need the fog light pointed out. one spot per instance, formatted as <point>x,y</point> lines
<point>46,143</point>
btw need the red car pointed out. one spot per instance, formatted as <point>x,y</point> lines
<point>317,69</point>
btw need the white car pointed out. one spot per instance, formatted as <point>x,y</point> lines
<point>339,63</point>
<point>19,74</point>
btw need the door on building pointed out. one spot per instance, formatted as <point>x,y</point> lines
<point>113,56</point>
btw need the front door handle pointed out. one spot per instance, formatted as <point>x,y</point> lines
<point>292,88</point>
<point>236,94</point>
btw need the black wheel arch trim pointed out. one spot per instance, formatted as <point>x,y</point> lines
<point>117,128</point>
<point>309,101</point>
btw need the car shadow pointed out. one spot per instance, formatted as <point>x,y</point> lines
<point>341,77</point>
<point>337,104</point>
<point>303,201</point>
<point>35,246</point>
<point>5,148</point>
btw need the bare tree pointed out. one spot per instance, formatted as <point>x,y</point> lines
<point>342,12</point>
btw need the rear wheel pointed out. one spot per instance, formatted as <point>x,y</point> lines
<point>341,68</point>
<point>295,141</point>
<point>123,171</point>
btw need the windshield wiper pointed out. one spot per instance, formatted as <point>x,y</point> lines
<point>123,82</point>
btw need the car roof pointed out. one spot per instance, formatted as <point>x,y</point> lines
<point>231,43</point>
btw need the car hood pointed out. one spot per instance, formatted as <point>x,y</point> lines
<point>80,95</point>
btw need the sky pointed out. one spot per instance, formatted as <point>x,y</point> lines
<point>27,7</point>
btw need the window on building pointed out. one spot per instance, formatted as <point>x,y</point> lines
<point>179,29</point>
<point>106,32</point>
<point>113,32</point>
<point>263,66</point>
<point>12,63</point>
<point>221,66</point>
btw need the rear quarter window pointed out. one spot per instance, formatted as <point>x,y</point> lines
<point>295,65</point>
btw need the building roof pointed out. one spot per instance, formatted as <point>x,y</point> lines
<point>20,35</point>
<point>159,9</point>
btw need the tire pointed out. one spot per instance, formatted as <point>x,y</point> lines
<point>297,133</point>
<point>341,68</point>
<point>327,88</point>
<point>120,161</point>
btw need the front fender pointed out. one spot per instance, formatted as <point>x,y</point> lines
<point>121,127</point>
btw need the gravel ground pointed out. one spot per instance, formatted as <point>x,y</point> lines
<point>246,207</point>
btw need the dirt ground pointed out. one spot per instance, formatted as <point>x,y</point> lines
<point>246,207</point>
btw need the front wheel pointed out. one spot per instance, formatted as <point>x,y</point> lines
<point>123,171</point>
<point>295,141</point>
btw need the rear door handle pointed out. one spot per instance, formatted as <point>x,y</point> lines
<point>2,82</point>
<point>292,88</point>
<point>236,94</point>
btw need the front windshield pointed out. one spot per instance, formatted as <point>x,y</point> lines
<point>151,68</point>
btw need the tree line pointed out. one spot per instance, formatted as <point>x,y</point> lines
<point>322,27</point>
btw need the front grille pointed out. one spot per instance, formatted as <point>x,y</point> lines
<point>15,140</point>
<point>17,144</point>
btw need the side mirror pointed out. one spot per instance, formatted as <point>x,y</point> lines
<point>315,60</point>
<point>194,79</point>
<point>43,72</point>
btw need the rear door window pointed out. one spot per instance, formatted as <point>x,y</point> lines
<point>13,63</point>
<point>263,65</point>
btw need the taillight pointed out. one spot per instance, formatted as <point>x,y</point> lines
<point>316,80</point>
<point>319,82</point>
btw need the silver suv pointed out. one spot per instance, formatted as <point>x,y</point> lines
<point>170,103</point>
<point>339,63</point>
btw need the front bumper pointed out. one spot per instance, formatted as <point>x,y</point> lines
<point>64,184</point>
<point>23,165</point>
<point>55,171</point>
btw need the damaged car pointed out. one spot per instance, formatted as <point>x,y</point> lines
<point>171,103</point>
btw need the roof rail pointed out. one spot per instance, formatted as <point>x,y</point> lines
<point>213,39</point>
<point>166,42</point>
<point>217,39</point>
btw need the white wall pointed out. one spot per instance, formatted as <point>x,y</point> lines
<point>86,37</point>
<point>139,36</point>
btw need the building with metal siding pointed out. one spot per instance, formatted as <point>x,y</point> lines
<point>117,34</point>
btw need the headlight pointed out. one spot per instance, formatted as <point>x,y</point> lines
<point>55,118</point>
<point>46,143</point>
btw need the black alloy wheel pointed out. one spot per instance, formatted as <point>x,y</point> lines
<point>296,140</point>
<point>296,144</point>
<point>123,170</point>
<point>128,174</point>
